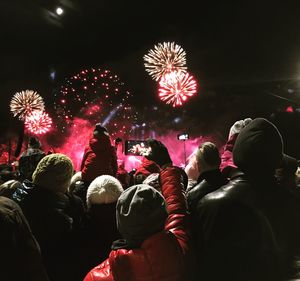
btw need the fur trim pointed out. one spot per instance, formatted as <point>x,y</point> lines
<point>103,190</point>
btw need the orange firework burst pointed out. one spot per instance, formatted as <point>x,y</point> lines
<point>24,103</point>
<point>176,87</point>
<point>163,59</point>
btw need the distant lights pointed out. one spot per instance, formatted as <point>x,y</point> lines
<point>59,11</point>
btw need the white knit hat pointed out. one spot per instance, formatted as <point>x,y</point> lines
<point>103,190</point>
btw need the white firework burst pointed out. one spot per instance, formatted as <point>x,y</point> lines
<point>165,58</point>
<point>24,103</point>
<point>176,87</point>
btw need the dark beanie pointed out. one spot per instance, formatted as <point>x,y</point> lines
<point>141,212</point>
<point>258,147</point>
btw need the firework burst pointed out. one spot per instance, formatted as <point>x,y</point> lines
<point>176,87</point>
<point>38,122</point>
<point>163,59</point>
<point>97,95</point>
<point>24,103</point>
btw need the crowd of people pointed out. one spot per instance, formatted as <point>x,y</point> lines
<point>231,214</point>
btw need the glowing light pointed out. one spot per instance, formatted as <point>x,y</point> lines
<point>176,87</point>
<point>163,59</point>
<point>59,11</point>
<point>24,103</point>
<point>38,122</point>
<point>92,95</point>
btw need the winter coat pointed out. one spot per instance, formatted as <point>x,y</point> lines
<point>248,229</point>
<point>98,234</point>
<point>20,257</point>
<point>147,167</point>
<point>162,256</point>
<point>54,219</point>
<point>207,182</point>
<point>28,162</point>
<point>99,159</point>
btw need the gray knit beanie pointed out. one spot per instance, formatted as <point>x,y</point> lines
<point>140,213</point>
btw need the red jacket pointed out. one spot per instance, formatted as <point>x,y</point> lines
<point>99,159</point>
<point>147,167</point>
<point>227,165</point>
<point>163,256</point>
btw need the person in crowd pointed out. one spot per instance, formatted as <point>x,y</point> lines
<point>227,165</point>
<point>122,174</point>
<point>155,244</point>
<point>20,257</point>
<point>100,228</point>
<point>99,158</point>
<point>148,165</point>
<point>192,171</point>
<point>30,158</point>
<point>8,188</point>
<point>249,228</point>
<point>53,215</point>
<point>210,177</point>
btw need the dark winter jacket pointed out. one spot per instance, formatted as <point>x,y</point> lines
<point>240,226</point>
<point>99,159</point>
<point>207,182</point>
<point>54,219</point>
<point>20,257</point>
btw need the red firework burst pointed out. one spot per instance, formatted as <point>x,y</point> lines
<point>176,87</point>
<point>38,122</point>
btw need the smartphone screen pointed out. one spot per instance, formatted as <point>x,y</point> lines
<point>136,147</point>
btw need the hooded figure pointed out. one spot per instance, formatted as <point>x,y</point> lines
<point>239,228</point>
<point>99,156</point>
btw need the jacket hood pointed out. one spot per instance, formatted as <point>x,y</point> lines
<point>258,147</point>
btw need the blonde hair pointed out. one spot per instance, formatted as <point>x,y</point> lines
<point>208,157</point>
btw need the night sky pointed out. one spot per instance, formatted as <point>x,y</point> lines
<point>243,53</point>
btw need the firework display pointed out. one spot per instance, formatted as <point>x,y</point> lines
<point>38,122</point>
<point>24,103</point>
<point>164,58</point>
<point>96,95</point>
<point>176,87</point>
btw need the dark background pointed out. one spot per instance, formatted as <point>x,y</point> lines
<point>244,54</point>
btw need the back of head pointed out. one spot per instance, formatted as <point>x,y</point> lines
<point>258,148</point>
<point>34,142</point>
<point>104,189</point>
<point>141,212</point>
<point>208,157</point>
<point>54,172</point>
<point>100,130</point>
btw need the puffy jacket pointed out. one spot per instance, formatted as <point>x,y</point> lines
<point>99,159</point>
<point>147,167</point>
<point>161,257</point>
